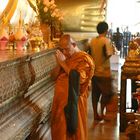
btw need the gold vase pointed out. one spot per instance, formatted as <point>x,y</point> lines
<point>46,32</point>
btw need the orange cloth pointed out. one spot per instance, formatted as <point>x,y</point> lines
<point>83,63</point>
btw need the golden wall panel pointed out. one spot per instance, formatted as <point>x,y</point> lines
<point>80,15</point>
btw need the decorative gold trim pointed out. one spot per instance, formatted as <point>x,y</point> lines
<point>9,10</point>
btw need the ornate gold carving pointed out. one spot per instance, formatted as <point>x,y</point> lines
<point>27,76</point>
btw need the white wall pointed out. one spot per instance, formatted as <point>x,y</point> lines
<point>122,13</point>
<point>3,4</point>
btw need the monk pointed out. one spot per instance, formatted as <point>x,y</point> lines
<point>69,57</point>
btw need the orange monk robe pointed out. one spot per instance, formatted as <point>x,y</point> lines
<point>83,63</point>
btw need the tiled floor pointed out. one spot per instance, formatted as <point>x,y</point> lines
<point>106,130</point>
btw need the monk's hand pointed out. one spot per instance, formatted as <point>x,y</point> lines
<point>60,57</point>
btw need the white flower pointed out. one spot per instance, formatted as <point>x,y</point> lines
<point>53,6</point>
<point>52,1</point>
<point>60,18</point>
<point>53,14</point>
<point>46,9</point>
<point>56,10</point>
<point>50,13</point>
<point>46,2</point>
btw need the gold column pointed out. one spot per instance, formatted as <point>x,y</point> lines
<point>9,10</point>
